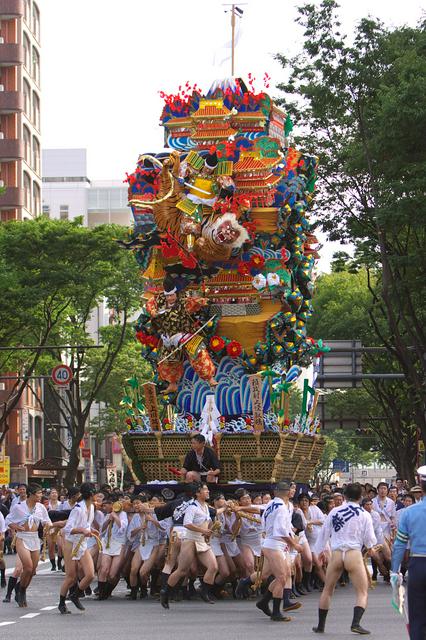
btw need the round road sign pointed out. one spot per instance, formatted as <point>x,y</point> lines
<point>62,374</point>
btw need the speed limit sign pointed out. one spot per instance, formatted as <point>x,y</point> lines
<point>62,375</point>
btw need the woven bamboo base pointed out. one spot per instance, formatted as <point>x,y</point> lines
<point>260,457</point>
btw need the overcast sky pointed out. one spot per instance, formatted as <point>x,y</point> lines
<point>103,63</point>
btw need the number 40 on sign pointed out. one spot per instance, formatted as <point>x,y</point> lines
<point>62,376</point>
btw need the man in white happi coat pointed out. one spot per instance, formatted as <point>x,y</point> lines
<point>348,529</point>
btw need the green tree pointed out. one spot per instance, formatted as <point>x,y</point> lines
<point>341,304</point>
<point>77,269</point>
<point>363,111</point>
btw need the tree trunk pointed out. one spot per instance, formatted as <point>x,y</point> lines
<point>73,462</point>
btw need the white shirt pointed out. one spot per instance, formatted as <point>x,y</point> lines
<point>276,520</point>
<point>312,532</point>
<point>250,528</point>
<point>347,527</point>
<point>118,532</point>
<point>20,514</point>
<point>80,517</point>
<point>377,526</point>
<point>152,532</point>
<point>196,514</point>
<point>387,511</point>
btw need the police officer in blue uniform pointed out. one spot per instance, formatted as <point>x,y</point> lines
<point>412,527</point>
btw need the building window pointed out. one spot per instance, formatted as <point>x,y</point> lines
<point>27,99</point>
<point>36,155</point>
<point>27,49</point>
<point>36,111</point>
<point>27,11</point>
<point>36,66</point>
<point>27,145</point>
<point>64,212</point>
<point>38,438</point>
<point>36,22</point>
<point>36,199</point>
<point>46,210</point>
<point>27,191</point>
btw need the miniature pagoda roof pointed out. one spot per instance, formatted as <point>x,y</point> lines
<point>211,109</point>
<point>254,163</point>
<point>178,122</point>
<point>256,183</point>
<point>249,115</point>
<point>213,133</point>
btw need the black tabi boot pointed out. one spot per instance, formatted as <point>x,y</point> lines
<point>374,567</point>
<point>205,592</point>
<point>109,588</point>
<point>154,589</point>
<point>163,578</point>
<point>288,605</point>
<point>276,613</point>
<point>10,587</point>
<point>263,603</point>
<point>22,598</point>
<point>164,596</point>
<point>62,605</point>
<point>3,578</point>
<point>59,563</point>
<point>243,588</point>
<point>17,590</point>
<point>133,593</point>
<point>101,590</point>
<point>299,589</point>
<point>53,563</point>
<point>88,591</point>
<point>307,575</point>
<point>322,616</point>
<point>355,626</point>
<point>74,597</point>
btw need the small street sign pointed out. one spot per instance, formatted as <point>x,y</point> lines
<point>62,376</point>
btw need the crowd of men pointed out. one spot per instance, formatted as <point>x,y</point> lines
<point>279,546</point>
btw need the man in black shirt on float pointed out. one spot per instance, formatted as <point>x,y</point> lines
<point>201,462</point>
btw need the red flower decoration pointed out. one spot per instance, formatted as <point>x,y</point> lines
<point>285,254</point>
<point>216,343</point>
<point>257,261</point>
<point>243,268</point>
<point>234,349</point>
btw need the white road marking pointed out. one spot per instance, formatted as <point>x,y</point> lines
<point>30,615</point>
<point>4,624</point>
<point>48,608</point>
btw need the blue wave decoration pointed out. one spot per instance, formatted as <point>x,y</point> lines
<point>232,394</point>
<point>181,143</point>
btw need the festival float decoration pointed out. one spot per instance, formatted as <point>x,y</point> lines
<point>227,253</point>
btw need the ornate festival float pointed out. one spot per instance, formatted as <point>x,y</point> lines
<point>224,243</point>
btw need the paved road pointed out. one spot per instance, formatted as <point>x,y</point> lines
<point>119,618</point>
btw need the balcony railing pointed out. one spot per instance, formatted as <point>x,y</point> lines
<point>11,9</point>
<point>11,150</point>
<point>11,101</point>
<point>12,198</point>
<point>11,54</point>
